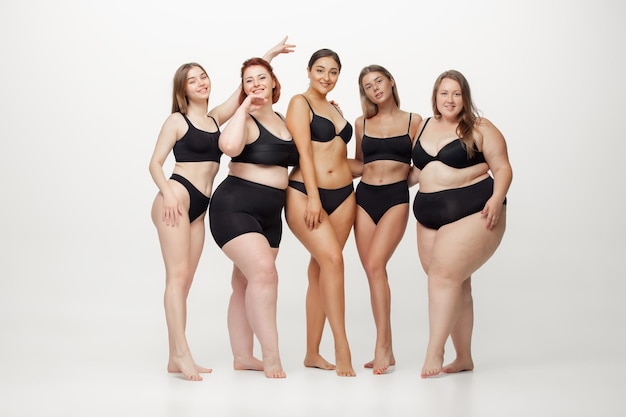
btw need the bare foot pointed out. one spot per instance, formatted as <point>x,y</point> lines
<point>247,364</point>
<point>316,361</point>
<point>184,364</point>
<point>459,365</point>
<point>382,361</point>
<point>432,366</point>
<point>344,363</point>
<point>273,368</point>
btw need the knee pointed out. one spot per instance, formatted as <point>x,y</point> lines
<point>332,261</point>
<point>266,274</point>
<point>443,277</point>
<point>178,280</point>
<point>374,269</point>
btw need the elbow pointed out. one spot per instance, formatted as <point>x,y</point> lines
<point>230,149</point>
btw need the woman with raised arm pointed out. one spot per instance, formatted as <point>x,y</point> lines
<point>191,132</point>
<point>246,215</point>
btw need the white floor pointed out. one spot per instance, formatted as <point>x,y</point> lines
<point>93,344</point>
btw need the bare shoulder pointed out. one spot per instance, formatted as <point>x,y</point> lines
<point>298,100</point>
<point>175,118</point>
<point>490,136</point>
<point>484,125</point>
<point>175,122</point>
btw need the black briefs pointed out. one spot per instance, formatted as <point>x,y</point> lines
<point>331,199</point>
<point>198,202</point>
<point>377,199</point>
<point>240,206</point>
<point>437,209</point>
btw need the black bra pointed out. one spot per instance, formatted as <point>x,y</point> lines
<point>323,130</point>
<point>197,145</point>
<point>395,148</point>
<point>268,149</point>
<point>454,154</point>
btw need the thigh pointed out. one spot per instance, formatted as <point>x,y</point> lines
<point>342,219</point>
<point>461,247</point>
<point>425,243</point>
<point>251,254</point>
<point>364,229</point>
<point>389,232</point>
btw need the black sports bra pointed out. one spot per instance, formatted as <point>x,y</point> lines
<point>323,130</point>
<point>454,154</point>
<point>395,148</point>
<point>197,145</point>
<point>268,149</point>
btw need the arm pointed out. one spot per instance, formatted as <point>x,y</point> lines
<point>496,154</point>
<point>356,164</point>
<point>236,133</point>
<point>298,124</point>
<point>414,176</point>
<point>416,126</point>
<point>165,142</point>
<point>223,112</point>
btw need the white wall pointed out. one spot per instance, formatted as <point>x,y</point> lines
<point>85,87</point>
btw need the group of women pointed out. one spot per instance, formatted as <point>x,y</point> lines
<point>458,158</point>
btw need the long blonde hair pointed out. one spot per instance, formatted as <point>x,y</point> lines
<point>371,109</point>
<point>179,99</point>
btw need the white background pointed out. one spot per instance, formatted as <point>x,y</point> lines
<point>86,85</point>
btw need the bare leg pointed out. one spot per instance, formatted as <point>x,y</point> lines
<point>181,247</point>
<point>376,244</point>
<point>444,297</point>
<point>241,335</point>
<point>325,245</point>
<point>256,260</point>
<point>462,333</point>
<point>315,321</point>
<point>450,255</point>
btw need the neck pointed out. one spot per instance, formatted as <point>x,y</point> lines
<point>265,110</point>
<point>198,109</point>
<point>388,108</point>
<point>314,94</point>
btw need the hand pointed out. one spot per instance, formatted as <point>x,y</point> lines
<point>313,213</point>
<point>172,210</point>
<point>281,47</point>
<point>492,212</point>
<point>253,103</point>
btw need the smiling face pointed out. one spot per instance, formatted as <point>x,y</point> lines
<point>449,99</point>
<point>323,75</point>
<point>258,81</point>
<point>197,85</point>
